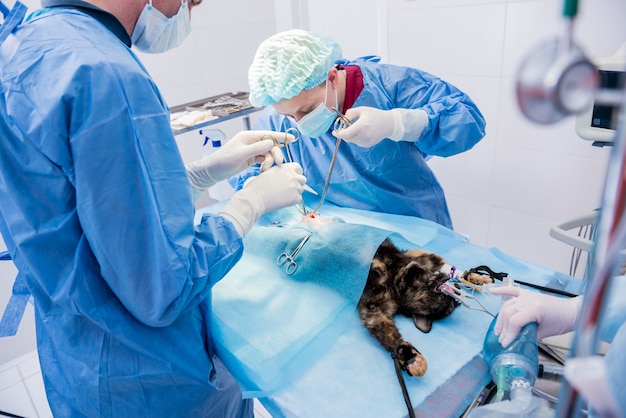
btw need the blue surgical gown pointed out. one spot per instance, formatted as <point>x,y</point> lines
<point>390,177</point>
<point>97,212</point>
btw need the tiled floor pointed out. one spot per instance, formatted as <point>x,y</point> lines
<point>260,411</point>
<point>21,388</point>
<point>22,392</point>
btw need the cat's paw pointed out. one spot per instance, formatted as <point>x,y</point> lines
<point>477,279</point>
<point>411,360</point>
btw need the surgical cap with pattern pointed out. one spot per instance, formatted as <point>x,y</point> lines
<point>288,63</point>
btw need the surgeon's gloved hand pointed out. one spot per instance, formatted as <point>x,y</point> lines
<point>275,188</point>
<point>372,125</point>
<point>554,315</point>
<point>241,151</point>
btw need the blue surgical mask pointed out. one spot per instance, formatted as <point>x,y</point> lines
<point>155,33</point>
<point>317,122</point>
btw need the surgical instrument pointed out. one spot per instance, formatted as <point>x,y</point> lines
<point>296,135</point>
<point>285,144</point>
<point>290,259</point>
<point>286,141</point>
<point>340,123</point>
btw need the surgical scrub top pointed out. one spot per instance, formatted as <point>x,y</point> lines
<point>390,177</point>
<point>97,213</point>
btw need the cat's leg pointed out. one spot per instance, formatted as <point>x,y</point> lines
<point>410,359</point>
<point>379,322</point>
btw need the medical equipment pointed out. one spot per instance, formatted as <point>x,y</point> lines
<point>556,79</point>
<point>222,107</point>
<point>290,259</point>
<point>296,134</point>
<point>599,122</point>
<point>580,233</point>
<point>285,144</point>
<point>606,256</point>
<point>605,263</point>
<point>461,289</point>
<point>514,368</point>
<point>341,122</point>
<point>462,296</point>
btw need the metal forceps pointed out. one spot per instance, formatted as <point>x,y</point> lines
<point>290,259</point>
<point>285,144</point>
<point>340,123</point>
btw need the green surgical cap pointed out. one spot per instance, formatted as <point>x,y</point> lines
<point>289,62</point>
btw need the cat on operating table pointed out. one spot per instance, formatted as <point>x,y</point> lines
<point>405,282</point>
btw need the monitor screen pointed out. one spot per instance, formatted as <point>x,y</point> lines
<point>604,116</point>
<point>599,123</point>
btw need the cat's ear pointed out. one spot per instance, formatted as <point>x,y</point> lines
<point>422,323</point>
<point>412,267</point>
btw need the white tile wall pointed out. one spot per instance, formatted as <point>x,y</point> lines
<point>356,38</point>
<point>522,178</point>
<point>216,56</point>
<point>448,40</point>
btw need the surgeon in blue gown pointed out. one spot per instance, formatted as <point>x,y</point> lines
<point>402,116</point>
<point>97,211</point>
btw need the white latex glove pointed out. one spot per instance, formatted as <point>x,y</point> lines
<point>241,151</point>
<point>276,188</point>
<point>372,125</point>
<point>554,315</point>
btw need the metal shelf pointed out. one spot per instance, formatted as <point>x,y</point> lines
<point>227,105</point>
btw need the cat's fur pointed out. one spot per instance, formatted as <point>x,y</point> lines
<point>404,282</point>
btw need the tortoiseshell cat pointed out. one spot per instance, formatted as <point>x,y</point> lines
<point>405,282</point>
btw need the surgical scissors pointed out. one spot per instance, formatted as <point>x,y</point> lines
<point>290,259</point>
